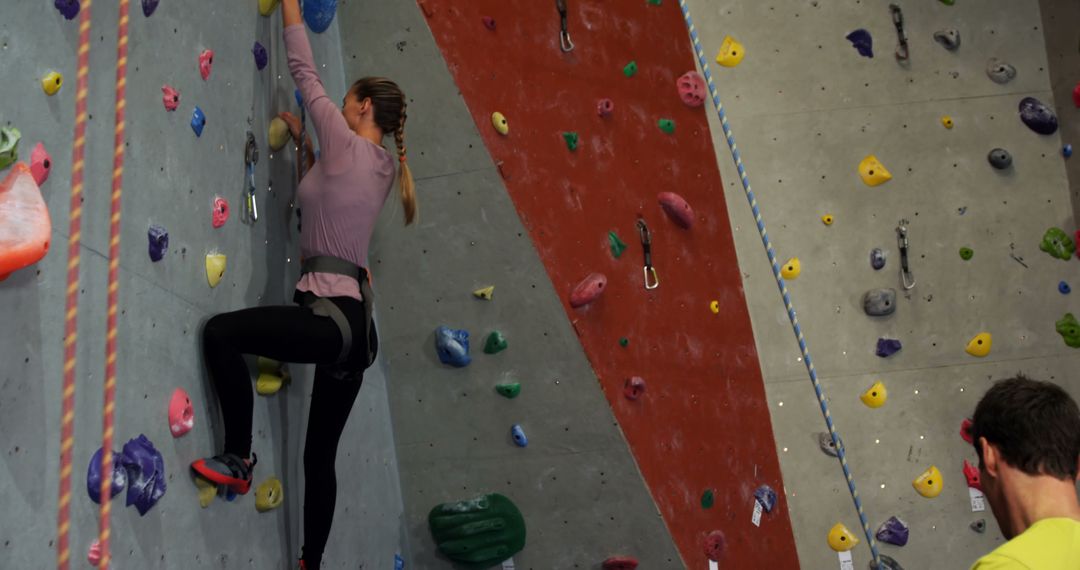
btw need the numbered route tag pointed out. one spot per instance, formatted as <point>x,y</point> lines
<point>756,519</point>
<point>846,563</point>
<point>978,500</point>
<point>508,564</point>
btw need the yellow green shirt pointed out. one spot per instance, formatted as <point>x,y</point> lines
<point>1050,544</point>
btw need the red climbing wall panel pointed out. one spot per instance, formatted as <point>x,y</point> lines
<point>703,422</point>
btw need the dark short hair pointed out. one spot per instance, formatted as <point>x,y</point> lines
<point>1035,425</point>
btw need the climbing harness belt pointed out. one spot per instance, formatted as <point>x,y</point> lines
<point>251,157</point>
<point>820,392</point>
<point>646,244</point>
<point>901,35</point>
<point>902,242</point>
<point>564,34</point>
<point>326,308</point>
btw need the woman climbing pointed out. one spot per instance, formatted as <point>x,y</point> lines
<point>341,196</point>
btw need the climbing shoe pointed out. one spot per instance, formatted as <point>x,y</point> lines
<point>227,469</point>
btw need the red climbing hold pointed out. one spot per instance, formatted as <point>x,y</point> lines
<point>965,431</point>
<point>1076,239</point>
<point>605,107</point>
<point>25,228</point>
<point>489,22</point>
<point>635,387</point>
<point>1076,94</point>
<point>675,206</point>
<point>715,545</point>
<point>620,563</point>
<point>40,164</point>
<point>971,473</point>
<point>588,290</point>
<point>691,89</point>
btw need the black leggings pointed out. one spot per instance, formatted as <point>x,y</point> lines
<point>292,334</point>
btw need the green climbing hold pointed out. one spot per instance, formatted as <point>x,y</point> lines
<point>571,139</point>
<point>707,499</point>
<point>966,253</point>
<point>9,146</point>
<point>509,389</point>
<point>1069,329</point>
<point>1058,244</point>
<point>624,342</point>
<point>496,342</point>
<point>630,69</point>
<point>617,245</point>
<point>478,533</point>
<point>666,125</point>
<point>948,2</point>
<point>655,2</point>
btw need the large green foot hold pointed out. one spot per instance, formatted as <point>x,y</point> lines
<point>1058,244</point>
<point>496,343</point>
<point>480,532</point>
<point>1069,329</point>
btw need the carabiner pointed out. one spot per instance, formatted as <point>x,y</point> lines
<point>564,35</point>
<point>646,244</point>
<point>902,44</point>
<point>902,243</point>
<point>251,157</point>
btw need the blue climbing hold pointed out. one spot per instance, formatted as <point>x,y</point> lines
<point>1066,150</point>
<point>319,13</point>
<point>877,258</point>
<point>519,436</point>
<point>159,242</point>
<point>862,41</point>
<point>766,496</point>
<point>68,8</point>
<point>1064,288</point>
<point>146,473</point>
<point>198,121</point>
<point>261,56</point>
<point>93,477</point>
<point>452,346</point>
<point>399,562</point>
<point>887,347</point>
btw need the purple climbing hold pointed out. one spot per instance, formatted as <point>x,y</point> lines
<point>452,346</point>
<point>146,473</point>
<point>877,258</point>
<point>766,496</point>
<point>69,8</point>
<point>260,56</point>
<point>93,477</point>
<point>148,7</point>
<point>887,347</point>
<point>893,531</point>
<point>862,41</point>
<point>1037,116</point>
<point>159,242</point>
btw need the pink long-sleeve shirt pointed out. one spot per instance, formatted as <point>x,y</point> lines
<point>340,196</point>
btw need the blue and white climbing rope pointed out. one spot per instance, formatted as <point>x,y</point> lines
<point>730,136</point>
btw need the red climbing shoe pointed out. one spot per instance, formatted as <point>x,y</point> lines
<point>227,469</point>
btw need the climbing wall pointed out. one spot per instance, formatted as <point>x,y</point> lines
<point>170,178</point>
<point>805,108</point>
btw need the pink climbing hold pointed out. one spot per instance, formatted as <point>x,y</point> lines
<point>971,473</point>
<point>715,545</point>
<point>40,164</point>
<point>965,431</point>
<point>220,214</point>
<point>605,107</point>
<point>620,563</point>
<point>634,388</point>
<point>588,290</point>
<point>206,61</point>
<point>675,206</point>
<point>170,97</point>
<point>691,89</point>
<point>489,22</point>
<point>181,413</point>
<point>93,554</point>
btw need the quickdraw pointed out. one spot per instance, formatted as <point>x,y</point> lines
<point>564,35</point>
<point>902,242</point>
<point>251,157</point>
<point>646,244</point>
<point>898,21</point>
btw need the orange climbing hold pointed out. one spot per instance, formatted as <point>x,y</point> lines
<point>25,228</point>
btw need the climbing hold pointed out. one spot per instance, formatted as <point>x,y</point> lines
<point>93,554</point>
<point>841,539</point>
<point>159,242</point>
<point>791,269</point>
<point>261,56</point>
<point>206,63</point>
<point>666,125</point>
<point>148,7</point>
<point>146,473</point>
<point>272,375</point>
<point>948,2</point>
<point>875,396</point>
<point>677,209</point>
<point>630,69</point>
<point>215,268</point>
<point>877,258</point>
<point>766,497</point>
<point>966,253</point>
<point>269,495</point>
<point>888,562</point>
<point>980,345</point>
<point>509,390</point>
<point>93,477</point>
<point>605,107</point>
<point>1037,116</point>
<point>40,164</point>
<point>267,7</point>
<point>714,306</point>
<point>1064,288</point>
<point>965,430</point>
<point>620,563</point>
<point>708,498</point>
<point>495,343</point>
<point>319,13</point>
<point>25,228</point>
<point>893,531</point>
<point>971,473</point>
<point>1058,244</point>
<point>1076,94</point>
<point>879,302</point>
<point>617,245</point>
<point>999,158</point>
<point>480,532</point>
<point>170,98</point>
<point>929,484</point>
<point>571,139</point>
<point>181,413</point>
<point>452,346</point>
<point>872,172</point>
<point>588,290</point>
<point>827,219</point>
<point>947,122</point>
<point>1068,327</point>
<point>825,442</point>
<point>219,213</point>
<point>277,135</point>
<point>519,436</point>
<point>486,293</point>
<point>1000,72</point>
<point>861,40</point>
<point>634,388</point>
<point>731,52</point>
<point>489,22</point>
<point>624,342</point>
<point>69,9</point>
<point>9,146</point>
<point>1066,150</point>
<point>715,545</point>
<point>198,121</point>
<point>979,526</point>
<point>887,347</point>
<point>949,38</point>
<point>691,86</point>
<point>51,82</point>
<point>498,120</point>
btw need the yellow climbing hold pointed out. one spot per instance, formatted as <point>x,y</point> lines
<point>207,491</point>
<point>272,374</point>
<point>946,122</point>
<point>715,307</point>
<point>267,7</point>
<point>841,539</point>
<point>215,268</point>
<point>498,120</point>
<point>278,133</point>
<point>875,395</point>
<point>872,172</point>
<point>929,484</point>
<point>827,219</point>
<point>980,345</point>
<point>51,82</point>
<point>486,293</point>
<point>791,269</point>
<point>268,495</point>
<point>731,52</point>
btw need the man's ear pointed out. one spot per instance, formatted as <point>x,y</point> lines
<point>991,460</point>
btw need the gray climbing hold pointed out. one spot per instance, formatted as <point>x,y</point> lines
<point>999,158</point>
<point>877,258</point>
<point>826,443</point>
<point>979,526</point>
<point>948,38</point>
<point>879,302</point>
<point>1037,116</point>
<point>999,71</point>
<point>887,563</point>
